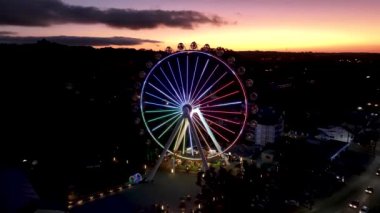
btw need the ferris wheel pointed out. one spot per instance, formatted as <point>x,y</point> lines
<point>193,105</point>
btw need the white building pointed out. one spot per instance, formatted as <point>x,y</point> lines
<point>270,126</point>
<point>266,134</point>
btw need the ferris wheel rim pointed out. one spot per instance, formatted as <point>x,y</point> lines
<point>236,77</point>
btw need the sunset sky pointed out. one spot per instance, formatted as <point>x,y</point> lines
<point>281,25</point>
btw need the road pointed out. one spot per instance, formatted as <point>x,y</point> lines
<point>353,190</point>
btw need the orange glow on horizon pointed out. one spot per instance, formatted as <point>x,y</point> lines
<point>294,25</point>
<point>286,39</point>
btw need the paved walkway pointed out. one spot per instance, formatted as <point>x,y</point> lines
<point>166,188</point>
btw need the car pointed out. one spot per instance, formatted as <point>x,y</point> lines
<point>353,204</point>
<point>369,190</point>
<point>364,209</point>
<point>378,172</point>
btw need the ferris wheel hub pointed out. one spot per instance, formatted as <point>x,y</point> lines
<point>187,109</point>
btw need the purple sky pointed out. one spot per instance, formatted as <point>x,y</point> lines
<point>292,25</point>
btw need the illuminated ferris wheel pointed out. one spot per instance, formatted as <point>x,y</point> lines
<point>193,105</point>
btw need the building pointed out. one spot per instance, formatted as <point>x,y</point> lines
<point>335,133</point>
<point>270,126</point>
<point>335,140</point>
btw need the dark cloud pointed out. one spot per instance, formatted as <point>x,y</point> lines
<point>77,40</point>
<point>6,33</point>
<point>50,12</point>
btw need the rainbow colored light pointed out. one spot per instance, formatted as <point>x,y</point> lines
<point>199,82</point>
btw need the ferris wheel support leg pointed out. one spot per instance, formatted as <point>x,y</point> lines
<point>153,172</point>
<point>198,143</point>
<point>219,149</point>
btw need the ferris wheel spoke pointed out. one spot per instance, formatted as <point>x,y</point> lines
<point>181,134</point>
<point>180,75</point>
<point>198,123</point>
<point>219,134</point>
<point>187,78</point>
<point>170,126</point>
<point>209,88</point>
<point>160,111</point>
<point>171,85</point>
<point>172,102</point>
<point>168,90</point>
<point>175,81</point>
<point>222,105</point>
<point>163,116</point>
<point>200,78</point>
<point>178,135</point>
<point>204,84</point>
<point>163,93</point>
<point>164,123</point>
<point>192,82</point>
<point>222,112</point>
<point>213,93</point>
<point>161,105</point>
<point>220,126</point>
<point>221,119</point>
<point>221,97</point>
